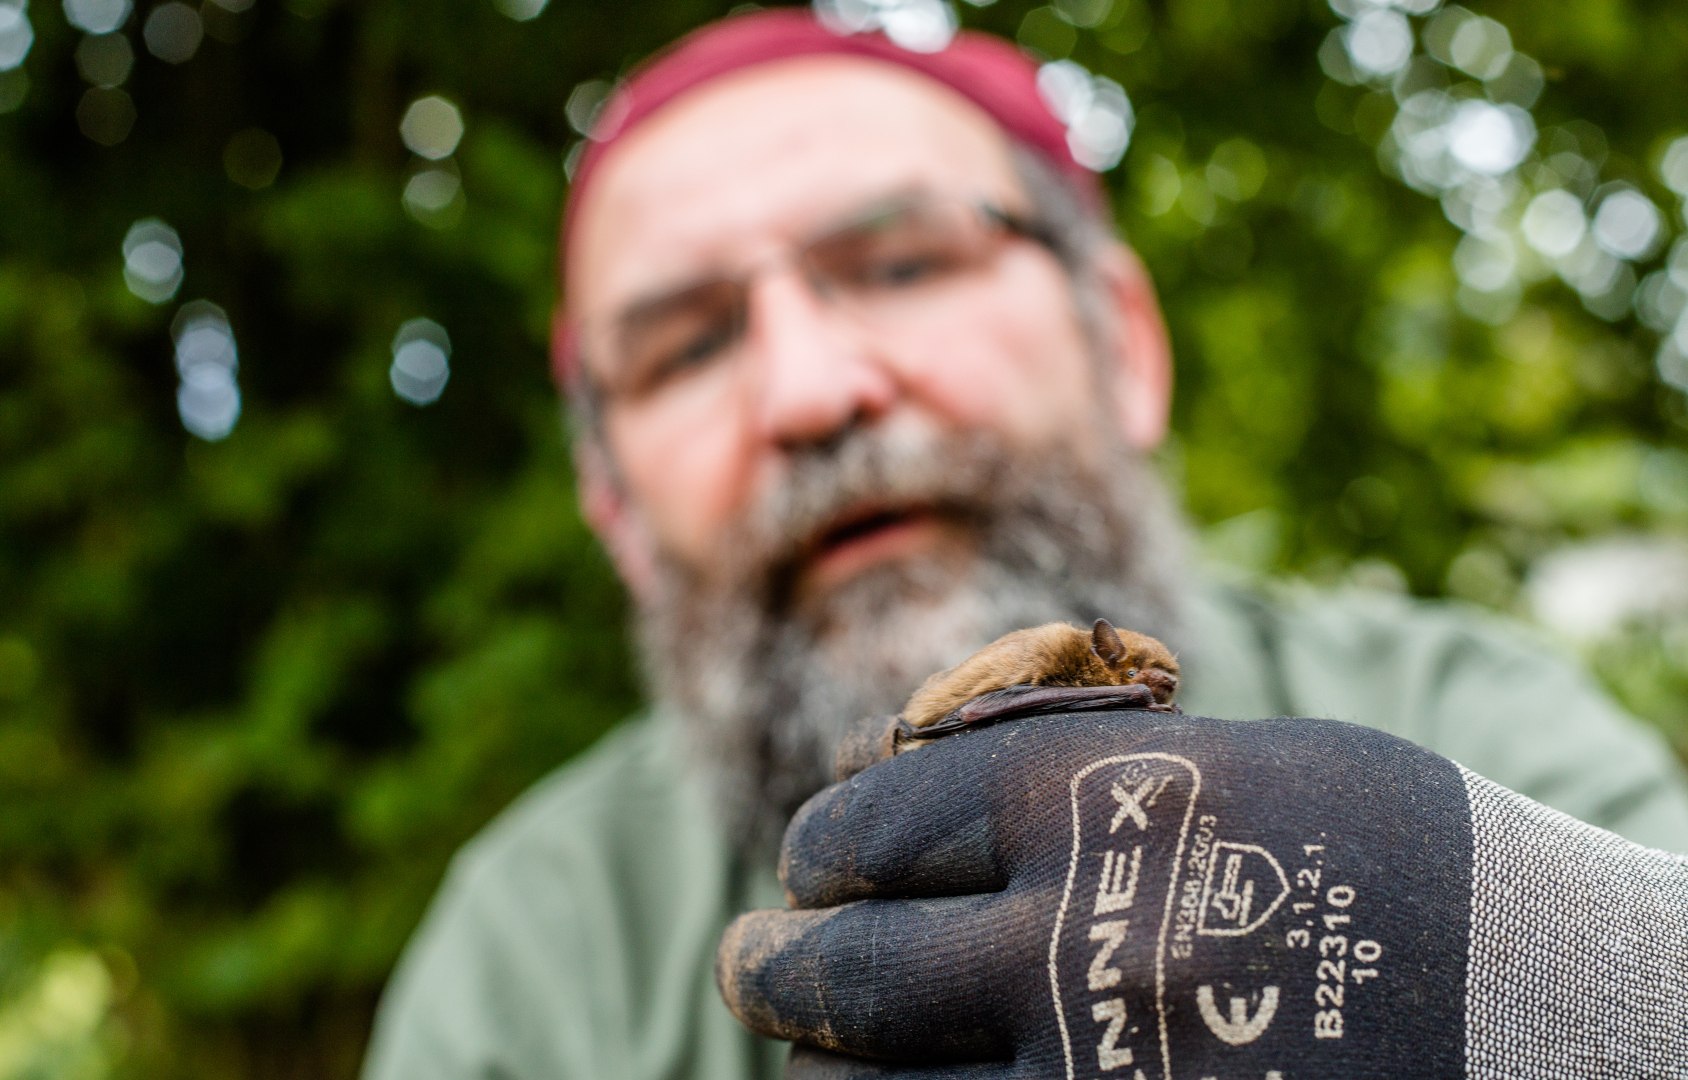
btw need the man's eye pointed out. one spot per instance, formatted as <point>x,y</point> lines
<point>905,270</point>
<point>694,351</point>
<point>674,353</point>
<point>899,270</point>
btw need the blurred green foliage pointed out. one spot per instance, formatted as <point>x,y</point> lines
<point>254,691</point>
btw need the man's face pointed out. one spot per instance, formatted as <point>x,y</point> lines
<point>698,191</point>
<point>850,504</point>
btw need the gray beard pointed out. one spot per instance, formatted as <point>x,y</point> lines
<point>767,679</point>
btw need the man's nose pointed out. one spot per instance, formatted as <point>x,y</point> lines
<point>814,372</point>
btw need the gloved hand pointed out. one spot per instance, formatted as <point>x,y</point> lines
<point>1155,897</point>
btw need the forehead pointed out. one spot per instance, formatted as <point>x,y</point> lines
<point>765,155</point>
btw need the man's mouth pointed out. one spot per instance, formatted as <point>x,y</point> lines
<point>862,537</point>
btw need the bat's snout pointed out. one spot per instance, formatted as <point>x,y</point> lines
<point>1164,683</point>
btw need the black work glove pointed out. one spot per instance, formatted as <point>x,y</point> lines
<point>1150,896</point>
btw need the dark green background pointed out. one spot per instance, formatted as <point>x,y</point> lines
<point>253,692</point>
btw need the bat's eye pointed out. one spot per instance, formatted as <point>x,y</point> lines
<point>1132,674</point>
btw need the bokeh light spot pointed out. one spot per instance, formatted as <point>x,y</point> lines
<point>1588,269</point>
<point>1097,113</point>
<point>1158,184</point>
<point>1519,83</point>
<point>1672,363</point>
<point>1615,303</point>
<point>1379,42</point>
<point>1354,9</point>
<point>1480,47</point>
<point>434,197</point>
<point>1098,138</point>
<point>1334,59</point>
<point>1438,33</point>
<point>1490,139</point>
<point>207,359</point>
<point>1660,301</point>
<point>252,158</point>
<point>1085,13</point>
<point>1606,284</point>
<point>521,10</point>
<point>571,159</point>
<point>16,36</point>
<point>96,16</point>
<point>421,361</point>
<point>1553,223</point>
<point>431,190</point>
<point>432,127</point>
<point>1065,86</point>
<point>1237,170</point>
<point>208,401</point>
<point>105,59</point>
<point>1627,224</point>
<point>173,32</point>
<point>105,115</point>
<point>1677,266</point>
<point>1486,263</point>
<point>1673,166</point>
<point>1478,204</point>
<point>152,260</point>
<point>1421,141</point>
<point>584,103</point>
<point>206,343</point>
<point>1572,170</point>
<point>203,337</point>
<point>916,25</point>
<point>1420,73</point>
<point>925,26</point>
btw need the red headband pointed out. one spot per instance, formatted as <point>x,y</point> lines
<point>986,70</point>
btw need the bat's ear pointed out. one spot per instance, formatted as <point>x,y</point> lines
<point>1105,643</point>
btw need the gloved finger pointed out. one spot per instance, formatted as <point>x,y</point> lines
<point>887,980</point>
<point>809,1064</point>
<point>866,742</point>
<point>916,825</point>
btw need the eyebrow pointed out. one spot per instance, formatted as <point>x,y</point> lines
<point>664,302</point>
<point>652,301</point>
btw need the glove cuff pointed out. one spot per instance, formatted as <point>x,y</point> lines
<point>1576,947</point>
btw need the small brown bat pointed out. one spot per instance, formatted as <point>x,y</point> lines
<point>1049,668</point>
<point>1052,655</point>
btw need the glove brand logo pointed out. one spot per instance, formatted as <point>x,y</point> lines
<point>1235,908</point>
<point>1131,822</point>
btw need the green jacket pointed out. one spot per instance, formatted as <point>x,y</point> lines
<point>575,937</point>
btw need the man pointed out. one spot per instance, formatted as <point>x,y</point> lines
<point>862,382</point>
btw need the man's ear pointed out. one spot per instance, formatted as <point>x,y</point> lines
<point>1138,349</point>
<point>604,504</point>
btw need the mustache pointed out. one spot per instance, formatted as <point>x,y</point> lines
<point>864,475</point>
